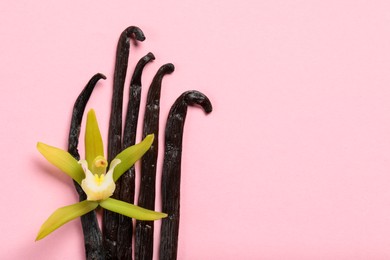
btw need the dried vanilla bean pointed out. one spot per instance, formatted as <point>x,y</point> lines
<point>111,219</point>
<point>92,235</point>
<point>171,173</point>
<point>144,229</point>
<point>127,180</point>
<point>130,130</point>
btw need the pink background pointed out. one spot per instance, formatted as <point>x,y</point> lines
<point>294,161</point>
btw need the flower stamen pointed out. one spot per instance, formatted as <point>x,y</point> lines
<point>99,165</point>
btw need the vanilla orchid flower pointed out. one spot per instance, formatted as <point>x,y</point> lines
<point>92,175</point>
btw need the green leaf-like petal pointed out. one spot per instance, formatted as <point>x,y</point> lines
<point>63,161</point>
<point>93,139</point>
<point>132,154</point>
<point>131,210</point>
<point>63,215</point>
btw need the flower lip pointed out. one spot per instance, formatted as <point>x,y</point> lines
<point>97,186</point>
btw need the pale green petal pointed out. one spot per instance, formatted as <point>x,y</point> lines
<point>63,215</point>
<point>93,139</point>
<point>131,210</point>
<point>62,160</point>
<point>132,154</point>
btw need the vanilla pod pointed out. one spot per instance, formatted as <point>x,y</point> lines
<point>92,235</point>
<point>127,180</point>
<point>144,229</point>
<point>171,172</point>
<point>111,219</point>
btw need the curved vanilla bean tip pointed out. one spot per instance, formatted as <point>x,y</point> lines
<point>193,97</point>
<point>77,114</point>
<point>136,78</point>
<point>167,68</point>
<point>171,173</point>
<point>92,236</point>
<point>155,90</point>
<point>162,71</point>
<point>139,35</point>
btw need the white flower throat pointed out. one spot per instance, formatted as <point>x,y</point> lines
<point>97,184</point>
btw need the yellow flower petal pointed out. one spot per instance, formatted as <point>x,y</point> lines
<point>65,214</point>
<point>62,160</point>
<point>93,139</point>
<point>131,210</point>
<point>132,154</point>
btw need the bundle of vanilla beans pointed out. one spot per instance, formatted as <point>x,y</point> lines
<point>115,239</point>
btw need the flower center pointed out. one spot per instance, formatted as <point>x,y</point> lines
<point>97,184</point>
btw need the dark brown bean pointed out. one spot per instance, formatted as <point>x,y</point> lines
<point>92,235</point>
<point>127,181</point>
<point>134,101</point>
<point>171,173</point>
<point>147,191</point>
<point>111,219</point>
